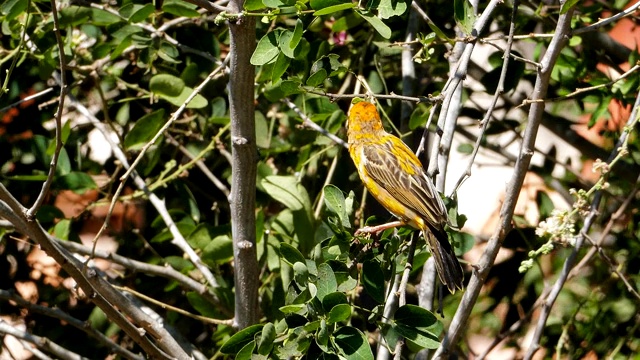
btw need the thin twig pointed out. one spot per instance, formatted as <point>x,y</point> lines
<point>58,117</point>
<point>608,20</point>
<point>166,272</point>
<point>402,289</point>
<point>607,229</point>
<point>28,98</point>
<point>201,165</point>
<point>582,90</point>
<point>392,96</point>
<point>201,318</point>
<point>613,266</point>
<point>306,122</point>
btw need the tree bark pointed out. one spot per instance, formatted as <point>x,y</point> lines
<point>243,178</point>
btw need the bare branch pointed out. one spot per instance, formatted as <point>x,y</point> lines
<point>78,324</point>
<point>95,287</point>
<point>513,188</point>
<point>139,266</point>
<point>41,342</point>
<point>243,177</point>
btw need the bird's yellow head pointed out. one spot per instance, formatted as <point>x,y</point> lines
<point>364,122</point>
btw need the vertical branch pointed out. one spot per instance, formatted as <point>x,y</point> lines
<point>408,89</point>
<point>513,187</point>
<point>243,164</point>
<point>408,71</point>
<point>58,117</point>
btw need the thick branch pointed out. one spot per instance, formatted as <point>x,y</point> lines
<point>243,177</point>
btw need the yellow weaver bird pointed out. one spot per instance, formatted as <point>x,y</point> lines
<point>395,177</point>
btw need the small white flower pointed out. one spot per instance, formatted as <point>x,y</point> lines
<point>559,227</point>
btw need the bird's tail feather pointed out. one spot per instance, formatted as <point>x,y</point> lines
<point>447,265</point>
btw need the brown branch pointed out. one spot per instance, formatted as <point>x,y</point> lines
<point>243,176</point>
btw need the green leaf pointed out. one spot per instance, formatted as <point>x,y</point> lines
<point>201,305</point>
<point>198,102</point>
<point>317,78</point>
<point>326,281</point>
<point>240,339</point>
<point>266,50</point>
<point>545,204</point>
<point>265,344</point>
<point>253,5</point>
<point>201,235</point>
<point>373,280</point>
<point>567,6</point>
<point>142,13</point>
<point>414,316</point>
<point>280,67</point>
<point>74,16</point>
<point>424,339</point>
<point>322,336</point>
<point>352,343</point>
<point>377,24</point>
<point>334,8</point>
<point>62,228</point>
<point>287,190</point>
<point>417,324</point>
<point>335,298</point>
<point>321,4</point>
<point>465,148</point>
<point>464,15</point>
<point>459,10</point>
<point>77,182</point>
<point>335,202</point>
<point>292,309</point>
<point>285,39</point>
<point>49,213</point>
<point>263,138</point>
<point>390,8</point>
<point>166,84</point>
<point>290,254</point>
<point>13,8</point>
<point>246,353</point>
<point>220,249</point>
<point>340,312</point>
<point>103,18</point>
<point>297,34</point>
<point>144,130</point>
<point>180,8</point>
<point>464,242</point>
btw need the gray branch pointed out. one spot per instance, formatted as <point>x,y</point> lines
<point>243,165</point>
<point>513,188</point>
